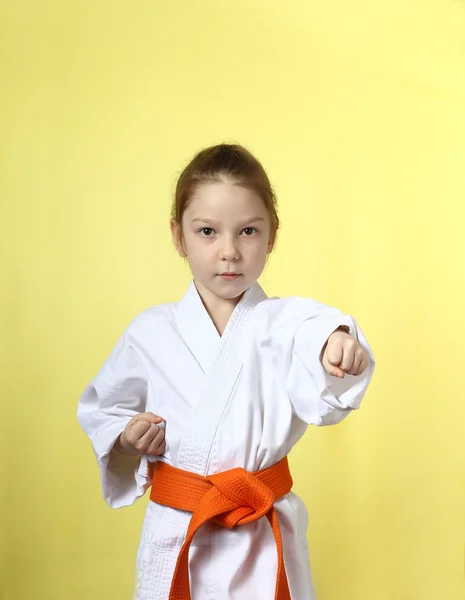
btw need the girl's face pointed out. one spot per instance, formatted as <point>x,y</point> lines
<point>226,236</point>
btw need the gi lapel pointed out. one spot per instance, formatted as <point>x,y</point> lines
<point>197,329</point>
<point>221,378</point>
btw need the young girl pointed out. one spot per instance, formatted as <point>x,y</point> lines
<point>203,399</point>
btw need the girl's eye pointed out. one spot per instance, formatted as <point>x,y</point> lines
<point>248,231</point>
<point>206,231</point>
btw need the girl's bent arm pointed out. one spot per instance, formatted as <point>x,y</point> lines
<point>108,403</point>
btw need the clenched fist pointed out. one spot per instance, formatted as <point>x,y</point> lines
<point>343,354</point>
<point>142,435</point>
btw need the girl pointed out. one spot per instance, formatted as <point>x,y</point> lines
<point>204,398</point>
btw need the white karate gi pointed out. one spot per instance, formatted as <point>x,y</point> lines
<point>238,400</point>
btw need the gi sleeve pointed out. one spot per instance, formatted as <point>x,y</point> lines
<point>108,403</point>
<point>292,349</point>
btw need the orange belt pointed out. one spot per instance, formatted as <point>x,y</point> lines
<point>231,498</point>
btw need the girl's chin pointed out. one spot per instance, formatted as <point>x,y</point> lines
<point>223,288</point>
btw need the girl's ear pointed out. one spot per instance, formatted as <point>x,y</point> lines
<point>271,241</point>
<point>176,234</point>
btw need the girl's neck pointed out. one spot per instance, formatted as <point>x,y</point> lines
<point>219,309</point>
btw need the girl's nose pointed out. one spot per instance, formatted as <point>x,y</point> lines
<point>229,250</point>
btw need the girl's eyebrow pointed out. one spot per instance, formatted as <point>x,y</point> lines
<point>253,220</point>
<point>210,221</point>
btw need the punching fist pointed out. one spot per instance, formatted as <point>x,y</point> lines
<point>142,435</point>
<point>343,354</point>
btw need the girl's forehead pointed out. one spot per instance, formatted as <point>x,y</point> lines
<point>225,198</point>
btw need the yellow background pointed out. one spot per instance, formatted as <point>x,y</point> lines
<point>357,110</point>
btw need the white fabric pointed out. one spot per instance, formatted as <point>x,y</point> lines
<point>238,400</point>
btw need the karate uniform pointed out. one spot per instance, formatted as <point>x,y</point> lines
<point>242,399</point>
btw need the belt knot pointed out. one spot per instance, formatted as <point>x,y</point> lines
<point>251,498</point>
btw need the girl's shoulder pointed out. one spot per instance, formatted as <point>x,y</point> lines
<point>151,319</point>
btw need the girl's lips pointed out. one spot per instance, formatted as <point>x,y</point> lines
<point>229,276</point>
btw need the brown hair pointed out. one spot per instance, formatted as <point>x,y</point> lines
<point>219,163</point>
